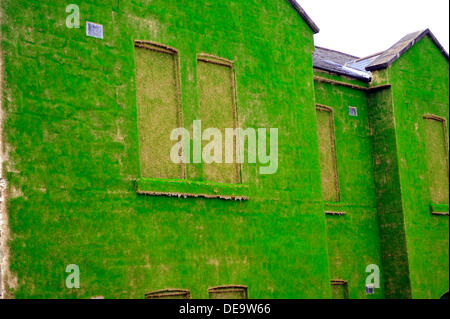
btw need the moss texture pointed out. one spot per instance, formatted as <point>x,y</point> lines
<point>389,198</point>
<point>71,129</point>
<point>78,112</point>
<point>420,86</point>
<point>353,238</point>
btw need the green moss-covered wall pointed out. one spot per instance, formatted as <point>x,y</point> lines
<point>414,241</point>
<point>389,199</point>
<point>71,135</point>
<point>72,138</point>
<point>420,86</point>
<point>353,238</point>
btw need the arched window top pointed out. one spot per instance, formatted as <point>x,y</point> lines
<point>228,292</point>
<point>169,294</point>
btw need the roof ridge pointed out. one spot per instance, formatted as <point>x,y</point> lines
<point>305,16</point>
<point>370,56</point>
<point>388,57</point>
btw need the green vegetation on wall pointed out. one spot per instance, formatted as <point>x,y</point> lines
<point>353,238</point>
<point>72,134</point>
<point>389,199</point>
<point>87,131</point>
<point>420,87</point>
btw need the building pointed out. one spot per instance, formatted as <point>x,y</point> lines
<point>362,181</point>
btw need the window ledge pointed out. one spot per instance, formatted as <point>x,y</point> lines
<point>440,209</point>
<point>195,189</point>
<point>335,209</point>
<point>330,213</point>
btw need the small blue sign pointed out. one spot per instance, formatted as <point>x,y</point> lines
<point>94,30</point>
<point>353,111</point>
<point>370,289</point>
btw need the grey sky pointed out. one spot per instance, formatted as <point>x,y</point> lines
<point>364,27</point>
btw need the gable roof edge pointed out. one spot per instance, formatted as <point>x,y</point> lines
<point>376,65</point>
<point>303,14</point>
<point>438,44</point>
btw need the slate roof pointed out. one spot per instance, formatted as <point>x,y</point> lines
<point>303,14</point>
<point>362,64</point>
<point>339,63</point>
<point>348,65</point>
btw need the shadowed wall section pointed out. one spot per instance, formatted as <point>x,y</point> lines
<point>389,197</point>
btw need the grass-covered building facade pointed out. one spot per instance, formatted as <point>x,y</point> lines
<point>360,189</point>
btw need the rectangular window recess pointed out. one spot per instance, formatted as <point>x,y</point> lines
<point>436,141</point>
<point>159,108</point>
<point>218,108</point>
<point>327,148</point>
<point>228,292</point>
<point>439,209</point>
<point>186,188</point>
<point>339,289</point>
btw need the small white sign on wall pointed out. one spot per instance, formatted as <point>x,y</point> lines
<point>353,111</point>
<point>94,30</point>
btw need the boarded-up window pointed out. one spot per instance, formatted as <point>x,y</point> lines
<point>228,292</point>
<point>437,156</point>
<point>169,294</point>
<point>330,181</point>
<point>159,108</point>
<point>339,289</point>
<point>218,110</point>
